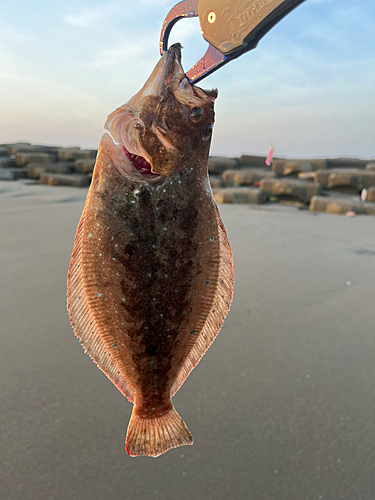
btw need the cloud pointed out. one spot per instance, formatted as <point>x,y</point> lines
<point>9,33</point>
<point>348,15</point>
<point>91,17</point>
<point>121,54</point>
<point>156,3</point>
<point>84,19</point>
<point>320,32</point>
<point>126,53</point>
<point>95,16</point>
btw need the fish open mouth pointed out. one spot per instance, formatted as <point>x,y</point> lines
<point>140,164</point>
<point>147,140</point>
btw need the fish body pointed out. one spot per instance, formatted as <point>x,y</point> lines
<point>151,275</point>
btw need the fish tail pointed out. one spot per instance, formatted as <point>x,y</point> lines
<point>154,436</point>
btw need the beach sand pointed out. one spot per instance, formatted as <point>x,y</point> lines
<point>281,407</point>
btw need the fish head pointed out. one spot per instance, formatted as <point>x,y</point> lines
<point>168,123</point>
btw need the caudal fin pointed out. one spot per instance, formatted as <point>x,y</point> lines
<point>154,436</point>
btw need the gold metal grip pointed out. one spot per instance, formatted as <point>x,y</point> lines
<point>226,24</point>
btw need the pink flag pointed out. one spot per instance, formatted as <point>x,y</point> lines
<point>269,157</point>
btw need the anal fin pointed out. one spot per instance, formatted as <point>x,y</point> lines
<point>82,317</point>
<point>219,308</point>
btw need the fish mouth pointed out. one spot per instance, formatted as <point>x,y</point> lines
<point>140,164</point>
<point>143,115</point>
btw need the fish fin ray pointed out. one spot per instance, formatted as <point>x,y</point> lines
<point>219,308</point>
<point>83,321</point>
<point>154,436</point>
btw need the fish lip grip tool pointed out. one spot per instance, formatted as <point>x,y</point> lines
<point>231,27</point>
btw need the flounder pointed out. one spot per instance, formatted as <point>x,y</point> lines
<point>151,274</point>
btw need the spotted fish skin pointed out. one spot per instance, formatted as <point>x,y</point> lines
<point>151,275</point>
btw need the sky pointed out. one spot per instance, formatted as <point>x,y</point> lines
<point>308,89</point>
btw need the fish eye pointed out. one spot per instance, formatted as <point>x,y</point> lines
<point>207,130</point>
<point>196,113</point>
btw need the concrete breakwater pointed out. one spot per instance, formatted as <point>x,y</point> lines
<point>334,185</point>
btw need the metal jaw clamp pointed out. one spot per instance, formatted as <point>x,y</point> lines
<point>231,27</point>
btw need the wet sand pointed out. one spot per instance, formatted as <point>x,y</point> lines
<point>281,407</point>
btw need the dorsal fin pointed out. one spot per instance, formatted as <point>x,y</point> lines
<point>219,308</point>
<point>82,318</point>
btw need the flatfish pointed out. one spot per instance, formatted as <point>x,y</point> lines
<point>151,274</point>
